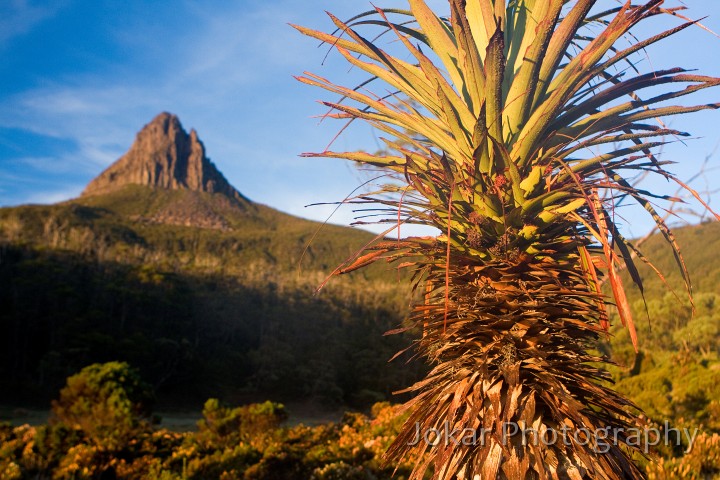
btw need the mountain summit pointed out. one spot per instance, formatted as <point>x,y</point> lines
<point>165,156</point>
<point>166,178</point>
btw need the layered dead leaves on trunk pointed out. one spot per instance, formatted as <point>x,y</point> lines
<point>513,380</point>
<point>514,128</point>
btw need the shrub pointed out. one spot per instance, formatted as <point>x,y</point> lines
<point>226,427</point>
<point>109,402</point>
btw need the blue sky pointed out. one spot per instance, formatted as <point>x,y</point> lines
<point>78,79</point>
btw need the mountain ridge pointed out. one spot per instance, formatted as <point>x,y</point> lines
<point>165,180</point>
<point>164,155</point>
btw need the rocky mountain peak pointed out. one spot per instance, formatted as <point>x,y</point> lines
<point>165,156</point>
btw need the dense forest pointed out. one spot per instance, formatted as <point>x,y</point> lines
<point>233,313</point>
<point>201,312</point>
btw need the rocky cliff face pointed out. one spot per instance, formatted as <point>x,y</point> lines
<point>187,187</point>
<point>164,155</point>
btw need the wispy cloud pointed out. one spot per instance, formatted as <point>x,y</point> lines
<point>95,119</point>
<point>229,77</point>
<point>20,16</point>
<point>37,181</point>
<point>54,196</point>
<point>224,67</point>
<point>62,164</point>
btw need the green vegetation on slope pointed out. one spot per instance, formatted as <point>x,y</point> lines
<point>675,377</point>
<point>145,225</point>
<point>201,311</point>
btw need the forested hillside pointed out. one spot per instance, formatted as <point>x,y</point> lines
<point>200,311</point>
<point>676,374</point>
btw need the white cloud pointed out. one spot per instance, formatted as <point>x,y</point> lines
<point>62,164</point>
<point>228,74</point>
<point>99,122</point>
<point>54,195</point>
<point>20,16</point>
<point>216,85</point>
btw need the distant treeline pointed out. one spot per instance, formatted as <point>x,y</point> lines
<point>194,335</point>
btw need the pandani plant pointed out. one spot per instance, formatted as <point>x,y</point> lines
<point>515,128</point>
